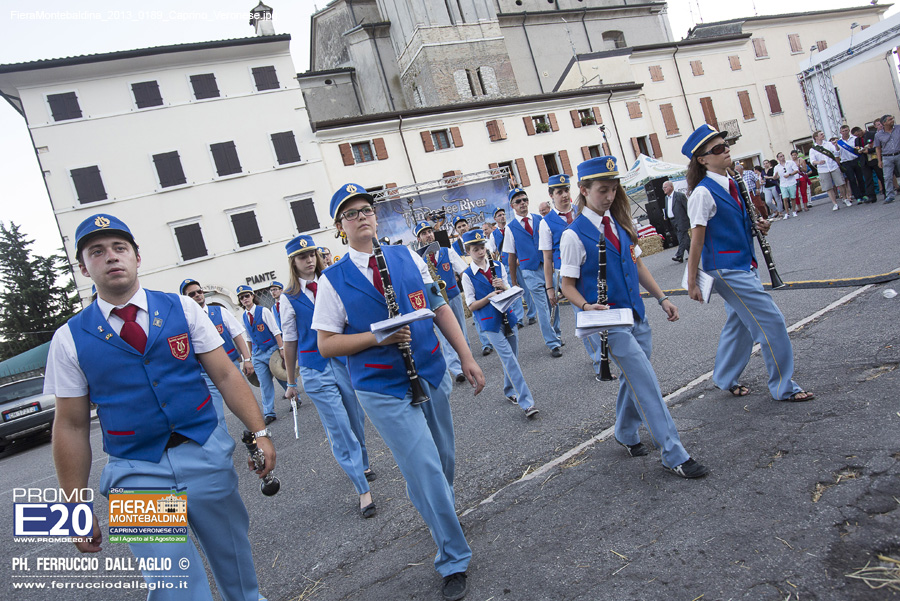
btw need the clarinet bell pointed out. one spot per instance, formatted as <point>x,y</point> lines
<point>777,282</point>
<point>269,486</point>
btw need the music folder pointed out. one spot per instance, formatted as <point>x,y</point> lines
<point>588,323</point>
<point>503,301</point>
<point>704,281</point>
<point>385,328</point>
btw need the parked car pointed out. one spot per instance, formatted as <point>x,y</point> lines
<point>25,409</point>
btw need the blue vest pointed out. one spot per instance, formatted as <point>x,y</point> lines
<point>215,315</point>
<point>277,313</point>
<point>622,285</point>
<point>260,334</point>
<point>142,399</point>
<point>557,226</point>
<point>445,272</point>
<point>381,368</point>
<point>527,252</point>
<point>728,243</point>
<point>459,247</point>
<point>497,236</point>
<point>307,344</point>
<point>488,316</point>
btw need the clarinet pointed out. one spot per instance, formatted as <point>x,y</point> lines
<point>507,329</point>
<point>270,484</point>
<point>605,373</point>
<point>760,237</point>
<point>390,297</point>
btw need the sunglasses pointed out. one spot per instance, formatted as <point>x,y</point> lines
<point>195,293</point>
<point>245,296</point>
<point>354,213</point>
<point>717,149</point>
<point>519,201</point>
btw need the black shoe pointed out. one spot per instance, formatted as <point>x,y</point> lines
<point>486,351</point>
<point>532,320</point>
<point>270,419</point>
<point>368,511</point>
<point>455,586</point>
<point>562,343</point>
<point>370,475</point>
<point>635,450</point>
<point>555,352</point>
<point>678,259</point>
<point>513,400</point>
<point>520,325</point>
<point>690,469</point>
<point>460,378</point>
<point>531,412</point>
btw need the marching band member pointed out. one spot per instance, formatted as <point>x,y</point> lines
<point>639,399</point>
<point>232,337</point>
<point>461,226</point>
<point>447,264</point>
<point>326,381</point>
<point>721,236</point>
<point>481,281</point>
<point>275,289</point>
<point>549,233</point>
<point>495,246</point>
<point>265,339</point>
<point>350,299</point>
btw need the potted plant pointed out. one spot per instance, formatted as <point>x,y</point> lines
<point>588,120</point>
<point>541,127</point>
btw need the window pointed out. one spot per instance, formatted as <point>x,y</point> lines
<point>821,45</point>
<point>639,145</point>
<point>190,241</point>
<point>697,68</point>
<point>585,117</point>
<point>488,80</point>
<point>88,184</point>
<point>265,78</point>
<point>146,94</point>
<point>709,113</point>
<point>476,84</point>
<point>285,148</point>
<point>496,131</point>
<point>363,152</point>
<point>591,152</point>
<point>226,158</point>
<point>539,124</point>
<point>64,106</point>
<point>735,63</point>
<point>613,40</point>
<point>759,48</point>
<point>518,174</point>
<point>634,110</point>
<point>205,86</point>
<point>668,115</point>
<point>746,107</point>
<point>246,230</point>
<point>774,103</point>
<point>656,73</point>
<point>441,139</point>
<point>168,168</point>
<point>304,212</point>
<point>794,41</point>
<point>547,165</point>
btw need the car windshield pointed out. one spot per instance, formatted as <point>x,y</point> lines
<point>21,390</point>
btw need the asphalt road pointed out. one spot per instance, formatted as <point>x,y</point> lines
<point>799,495</point>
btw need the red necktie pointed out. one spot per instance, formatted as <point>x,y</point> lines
<point>434,259</point>
<point>376,275</point>
<point>250,315</point>
<point>528,226</point>
<point>732,188</point>
<point>486,273</point>
<point>568,217</point>
<point>312,286</point>
<point>610,234</point>
<point>131,332</point>
<point>278,306</point>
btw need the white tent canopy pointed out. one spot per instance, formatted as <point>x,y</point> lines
<point>647,168</point>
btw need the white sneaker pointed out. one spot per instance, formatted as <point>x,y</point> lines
<point>785,216</point>
<point>794,214</point>
<point>848,203</point>
<point>834,207</point>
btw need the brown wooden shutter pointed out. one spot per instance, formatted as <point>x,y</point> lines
<point>606,150</point>
<point>697,67</point>
<point>346,154</point>
<point>759,47</point>
<point>392,189</point>
<point>794,39</point>
<point>774,103</point>
<point>746,106</point>
<point>821,45</point>
<point>542,168</point>
<point>576,118</point>
<point>598,119</point>
<point>656,73</point>
<point>501,131</point>
<point>735,63</point>
<point>457,137</point>
<point>709,113</point>
<point>493,134</point>
<point>554,126</point>
<point>585,153</point>
<point>493,166</point>
<point>524,180</point>
<point>634,110</point>
<point>380,150</point>
<point>654,144</point>
<point>564,159</point>
<point>427,142</point>
<point>635,146</point>
<point>668,115</point>
<point>865,27</point>
<point>529,125</point>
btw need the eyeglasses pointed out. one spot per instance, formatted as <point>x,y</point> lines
<point>195,293</point>
<point>245,296</point>
<point>354,213</point>
<point>717,149</point>
<point>518,201</point>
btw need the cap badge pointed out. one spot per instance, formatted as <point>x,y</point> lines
<point>562,179</point>
<point>351,189</point>
<point>477,236</point>
<point>303,244</point>
<point>610,165</point>
<point>101,221</point>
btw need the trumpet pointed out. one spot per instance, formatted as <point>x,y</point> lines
<point>777,282</point>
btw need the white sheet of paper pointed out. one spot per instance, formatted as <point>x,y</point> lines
<point>503,301</point>
<point>384,329</point>
<point>594,322</point>
<point>704,281</point>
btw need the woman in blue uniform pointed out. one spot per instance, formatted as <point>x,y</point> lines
<point>265,339</point>
<point>721,237</point>
<point>640,399</point>
<point>326,381</point>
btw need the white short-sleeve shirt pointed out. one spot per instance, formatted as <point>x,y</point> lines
<point>232,326</point>
<point>815,155</point>
<point>469,288</point>
<point>782,172</point>
<point>64,377</point>
<point>571,250</point>
<point>268,318</point>
<point>701,204</point>
<point>509,241</point>
<point>545,234</point>
<point>289,331</point>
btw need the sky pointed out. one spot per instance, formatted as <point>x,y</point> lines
<point>109,26</point>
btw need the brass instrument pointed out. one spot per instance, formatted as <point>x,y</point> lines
<point>507,329</point>
<point>390,297</point>
<point>430,260</point>
<point>777,282</point>
<point>605,373</point>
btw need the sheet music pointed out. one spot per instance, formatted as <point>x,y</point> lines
<point>704,281</point>
<point>385,328</point>
<point>588,323</point>
<point>503,301</point>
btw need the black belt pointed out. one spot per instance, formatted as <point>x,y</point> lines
<point>892,154</point>
<point>176,439</point>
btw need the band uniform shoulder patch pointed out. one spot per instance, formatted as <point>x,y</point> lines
<point>180,346</point>
<point>417,299</point>
<point>445,266</point>
<point>220,329</point>
<point>260,327</point>
<point>633,258</point>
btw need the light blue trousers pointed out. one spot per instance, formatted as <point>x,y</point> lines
<point>527,297</point>
<point>342,418</point>
<point>421,440</point>
<point>216,515</point>
<point>640,399</point>
<point>266,386</point>
<point>218,401</point>
<point>518,308</point>
<point>591,345</point>
<point>450,355</point>
<point>513,379</point>
<point>752,316</point>
<point>533,281</point>
<point>555,314</point>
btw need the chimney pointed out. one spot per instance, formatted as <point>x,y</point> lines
<point>261,19</point>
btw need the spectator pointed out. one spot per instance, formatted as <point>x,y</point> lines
<point>824,156</point>
<point>887,146</point>
<point>802,180</point>
<point>751,179</point>
<point>787,172</point>
<point>871,170</point>
<point>760,182</point>
<point>544,208</point>
<point>851,149</point>
<point>770,188</point>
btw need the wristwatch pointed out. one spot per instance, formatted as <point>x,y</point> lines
<point>264,433</point>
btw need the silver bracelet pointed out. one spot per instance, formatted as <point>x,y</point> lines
<point>661,299</point>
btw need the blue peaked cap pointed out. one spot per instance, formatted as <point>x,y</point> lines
<point>345,193</point>
<point>697,139</point>
<point>100,223</point>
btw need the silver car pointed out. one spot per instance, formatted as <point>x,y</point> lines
<point>25,409</point>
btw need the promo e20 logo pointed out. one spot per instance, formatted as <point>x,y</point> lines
<point>47,512</point>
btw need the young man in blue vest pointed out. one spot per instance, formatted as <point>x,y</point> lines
<point>135,353</point>
<point>561,214</point>
<point>447,264</point>
<point>495,246</point>
<point>461,226</point>
<point>721,237</point>
<point>526,265</point>
<point>232,338</point>
<point>265,339</point>
<point>275,290</point>
<point>350,298</point>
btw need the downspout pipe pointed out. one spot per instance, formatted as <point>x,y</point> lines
<point>683,95</point>
<point>405,149</point>
<point>615,127</point>
<point>531,52</point>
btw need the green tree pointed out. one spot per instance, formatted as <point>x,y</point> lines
<point>33,304</point>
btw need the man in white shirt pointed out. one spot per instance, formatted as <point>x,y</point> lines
<point>787,173</point>
<point>676,213</point>
<point>824,156</point>
<point>851,149</point>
